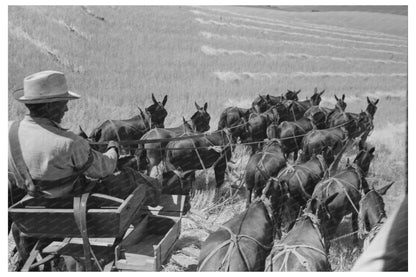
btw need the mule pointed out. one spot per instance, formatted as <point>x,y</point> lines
<point>291,133</point>
<point>133,128</point>
<point>232,116</point>
<point>211,150</point>
<point>256,128</point>
<point>371,215</point>
<point>339,108</point>
<point>241,244</point>
<point>299,180</point>
<point>263,165</point>
<point>316,140</point>
<point>264,102</point>
<point>305,247</point>
<point>371,107</point>
<point>293,186</point>
<point>348,184</point>
<point>153,153</point>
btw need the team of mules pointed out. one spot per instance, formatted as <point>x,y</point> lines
<point>318,192</point>
<point>309,184</point>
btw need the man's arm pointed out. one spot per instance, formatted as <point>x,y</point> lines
<point>103,164</point>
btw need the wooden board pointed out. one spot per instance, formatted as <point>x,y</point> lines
<point>106,216</point>
<point>154,246</point>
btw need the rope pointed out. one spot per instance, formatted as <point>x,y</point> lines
<point>232,241</point>
<point>292,249</point>
<point>133,142</point>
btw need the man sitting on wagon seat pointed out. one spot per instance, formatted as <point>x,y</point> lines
<point>46,160</point>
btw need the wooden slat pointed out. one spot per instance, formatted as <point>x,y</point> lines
<point>165,247</point>
<point>136,234</point>
<point>32,256</point>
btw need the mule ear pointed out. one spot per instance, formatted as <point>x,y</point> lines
<point>141,113</point>
<point>336,98</point>
<point>384,189</point>
<point>184,120</point>
<point>368,100</point>
<point>165,99</point>
<point>372,150</point>
<point>343,97</point>
<point>154,99</point>
<point>206,106</point>
<point>375,102</point>
<point>322,92</point>
<point>298,91</point>
<point>197,106</point>
<point>268,97</point>
<point>82,133</point>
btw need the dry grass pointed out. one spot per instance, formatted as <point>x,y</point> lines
<point>224,56</point>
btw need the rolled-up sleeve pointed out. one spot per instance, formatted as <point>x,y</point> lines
<point>103,164</point>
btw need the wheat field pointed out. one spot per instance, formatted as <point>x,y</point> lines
<point>117,56</point>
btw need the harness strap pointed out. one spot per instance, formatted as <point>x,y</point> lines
<point>232,241</point>
<point>342,183</point>
<point>18,161</point>
<point>80,215</point>
<point>286,250</point>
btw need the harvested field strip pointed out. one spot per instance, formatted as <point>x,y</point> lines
<point>311,26</point>
<point>210,51</point>
<point>19,33</point>
<point>89,12</point>
<point>306,29</point>
<point>70,27</point>
<point>243,26</point>
<point>230,76</point>
<point>209,35</point>
<point>73,29</point>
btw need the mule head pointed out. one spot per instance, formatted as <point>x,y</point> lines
<point>260,104</point>
<point>371,107</point>
<point>365,122</point>
<point>364,158</point>
<point>292,95</point>
<point>371,211</point>
<point>200,119</point>
<point>157,112</point>
<point>316,97</point>
<point>319,207</point>
<point>340,105</point>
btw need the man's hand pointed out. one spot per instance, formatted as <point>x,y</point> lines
<point>115,145</point>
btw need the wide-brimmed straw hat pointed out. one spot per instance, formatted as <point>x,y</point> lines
<point>44,87</point>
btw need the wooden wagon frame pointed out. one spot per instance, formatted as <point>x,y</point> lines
<point>99,231</point>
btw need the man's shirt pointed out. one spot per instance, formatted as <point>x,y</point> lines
<point>51,152</point>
